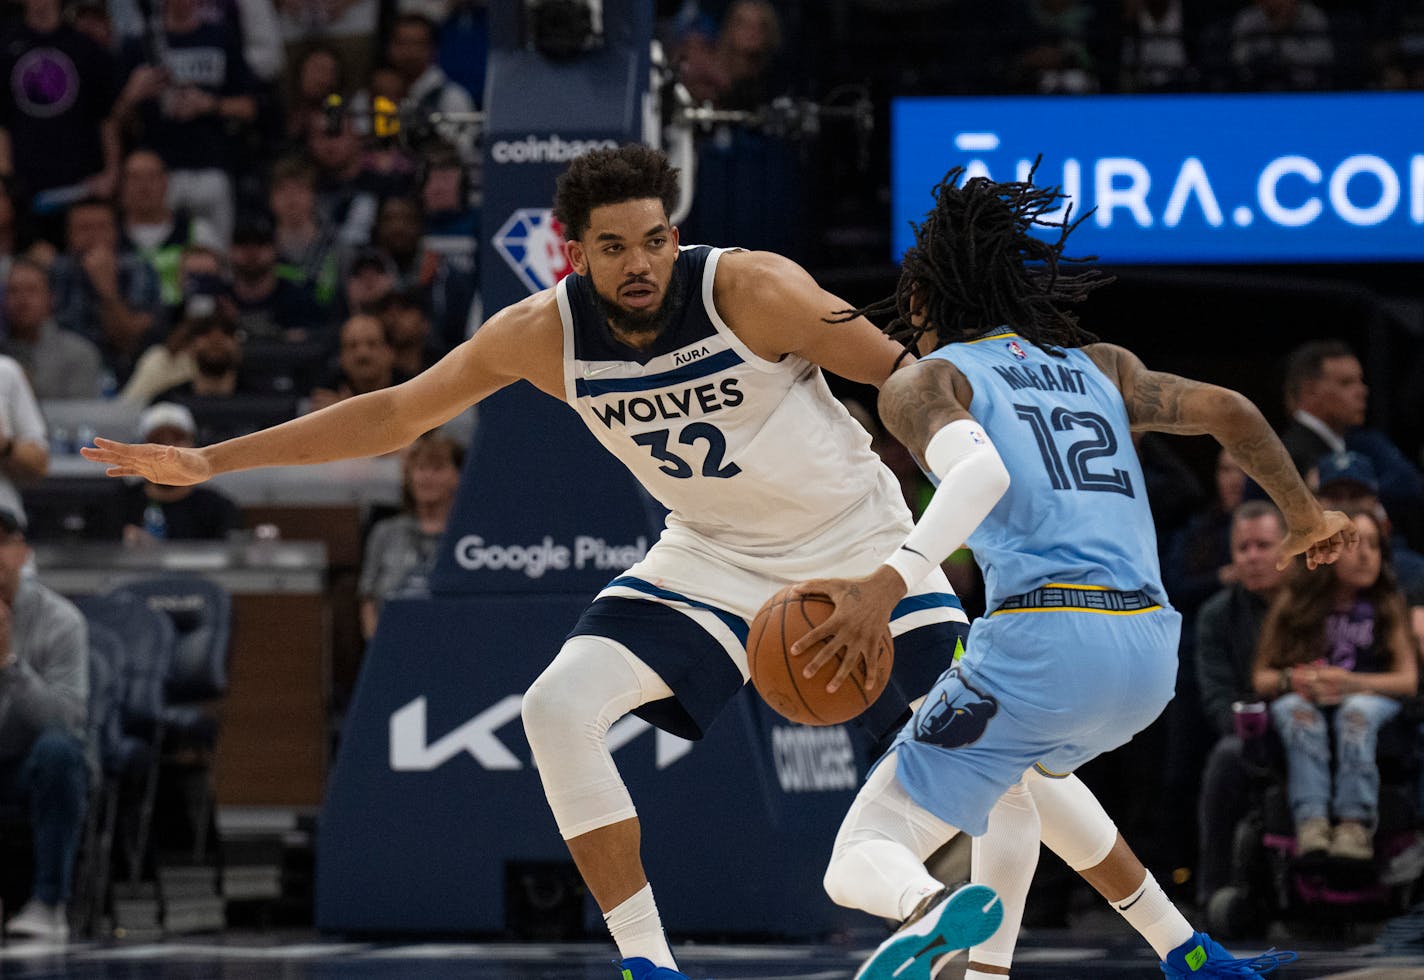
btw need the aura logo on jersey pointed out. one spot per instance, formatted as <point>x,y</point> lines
<point>532,242</point>
<point>538,559</point>
<point>1207,178</point>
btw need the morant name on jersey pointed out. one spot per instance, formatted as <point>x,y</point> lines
<point>1045,378</point>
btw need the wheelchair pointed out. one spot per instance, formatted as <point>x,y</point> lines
<point>1271,882</point>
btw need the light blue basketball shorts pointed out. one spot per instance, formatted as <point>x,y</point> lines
<point>1049,689</point>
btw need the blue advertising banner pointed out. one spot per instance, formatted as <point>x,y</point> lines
<point>1189,178</point>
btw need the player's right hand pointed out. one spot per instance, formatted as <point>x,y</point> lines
<point>172,466</point>
<point>1322,542</point>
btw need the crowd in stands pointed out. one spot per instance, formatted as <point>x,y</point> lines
<point>1081,46</point>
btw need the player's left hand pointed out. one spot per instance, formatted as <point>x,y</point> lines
<point>1321,543</point>
<point>852,632</point>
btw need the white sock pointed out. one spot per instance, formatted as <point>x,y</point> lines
<point>976,975</point>
<point>1152,914</point>
<point>638,930</point>
<point>1005,857</point>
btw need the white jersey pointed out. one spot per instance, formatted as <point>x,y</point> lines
<point>756,457</point>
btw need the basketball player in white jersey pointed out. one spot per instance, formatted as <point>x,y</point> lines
<point>700,369</point>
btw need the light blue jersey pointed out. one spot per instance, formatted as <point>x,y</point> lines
<point>1078,651</point>
<point>1076,509</point>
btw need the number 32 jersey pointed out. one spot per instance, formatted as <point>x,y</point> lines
<point>1076,510</point>
<point>757,456</point>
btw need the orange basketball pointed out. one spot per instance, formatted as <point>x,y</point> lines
<point>777,676</point>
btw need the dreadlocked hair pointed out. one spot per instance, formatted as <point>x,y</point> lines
<point>976,265</point>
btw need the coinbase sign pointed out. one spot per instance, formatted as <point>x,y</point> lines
<point>1190,179</point>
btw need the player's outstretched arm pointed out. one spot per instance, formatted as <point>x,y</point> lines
<point>367,425</point>
<point>1161,402</point>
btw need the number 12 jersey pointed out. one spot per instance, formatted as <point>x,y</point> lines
<point>1076,510</point>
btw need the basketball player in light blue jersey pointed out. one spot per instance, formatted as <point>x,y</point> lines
<point>1026,423</point>
<point>700,369</point>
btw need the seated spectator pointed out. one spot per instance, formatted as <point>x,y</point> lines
<point>103,292</point>
<point>318,75</point>
<point>1060,57</point>
<point>1198,564</point>
<point>411,51</point>
<point>1347,481</point>
<point>407,324</point>
<point>155,231</point>
<point>217,354</point>
<point>1156,46</point>
<point>1227,628</point>
<point>452,222</point>
<point>732,72</point>
<point>447,287</point>
<point>366,362</point>
<point>369,282</point>
<point>24,448</point>
<point>1282,44</point>
<point>1336,658</point>
<point>400,551</point>
<point>346,30</point>
<point>155,512</point>
<point>203,274</point>
<point>56,126</point>
<point>1326,395</point>
<point>269,307</point>
<point>346,196</point>
<point>58,363</point>
<point>307,253</point>
<point>190,103</point>
<point>1199,558</point>
<point>44,695</point>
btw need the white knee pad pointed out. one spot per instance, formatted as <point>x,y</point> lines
<point>567,713</point>
<point>1073,823</point>
<point>878,860</point>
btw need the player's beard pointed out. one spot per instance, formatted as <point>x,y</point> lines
<point>644,325</point>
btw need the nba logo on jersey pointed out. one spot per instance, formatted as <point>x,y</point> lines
<point>532,242</point>
<point>1016,350</point>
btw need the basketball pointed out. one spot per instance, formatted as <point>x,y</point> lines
<point>777,676</point>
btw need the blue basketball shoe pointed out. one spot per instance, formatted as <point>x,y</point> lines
<point>947,921</point>
<point>1201,956</point>
<point>638,968</point>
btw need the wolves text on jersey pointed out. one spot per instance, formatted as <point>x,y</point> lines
<point>703,399</point>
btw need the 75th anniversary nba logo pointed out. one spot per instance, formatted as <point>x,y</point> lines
<point>532,242</point>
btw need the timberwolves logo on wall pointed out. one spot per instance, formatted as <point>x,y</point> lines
<point>44,83</point>
<point>532,242</point>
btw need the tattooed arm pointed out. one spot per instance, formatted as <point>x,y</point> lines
<point>919,400</point>
<point>1161,402</point>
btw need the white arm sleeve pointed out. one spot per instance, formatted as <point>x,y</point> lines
<point>972,478</point>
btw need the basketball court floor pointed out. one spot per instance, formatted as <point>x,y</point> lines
<point>1059,954</point>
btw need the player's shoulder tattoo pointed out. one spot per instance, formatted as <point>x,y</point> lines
<point>919,400</point>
